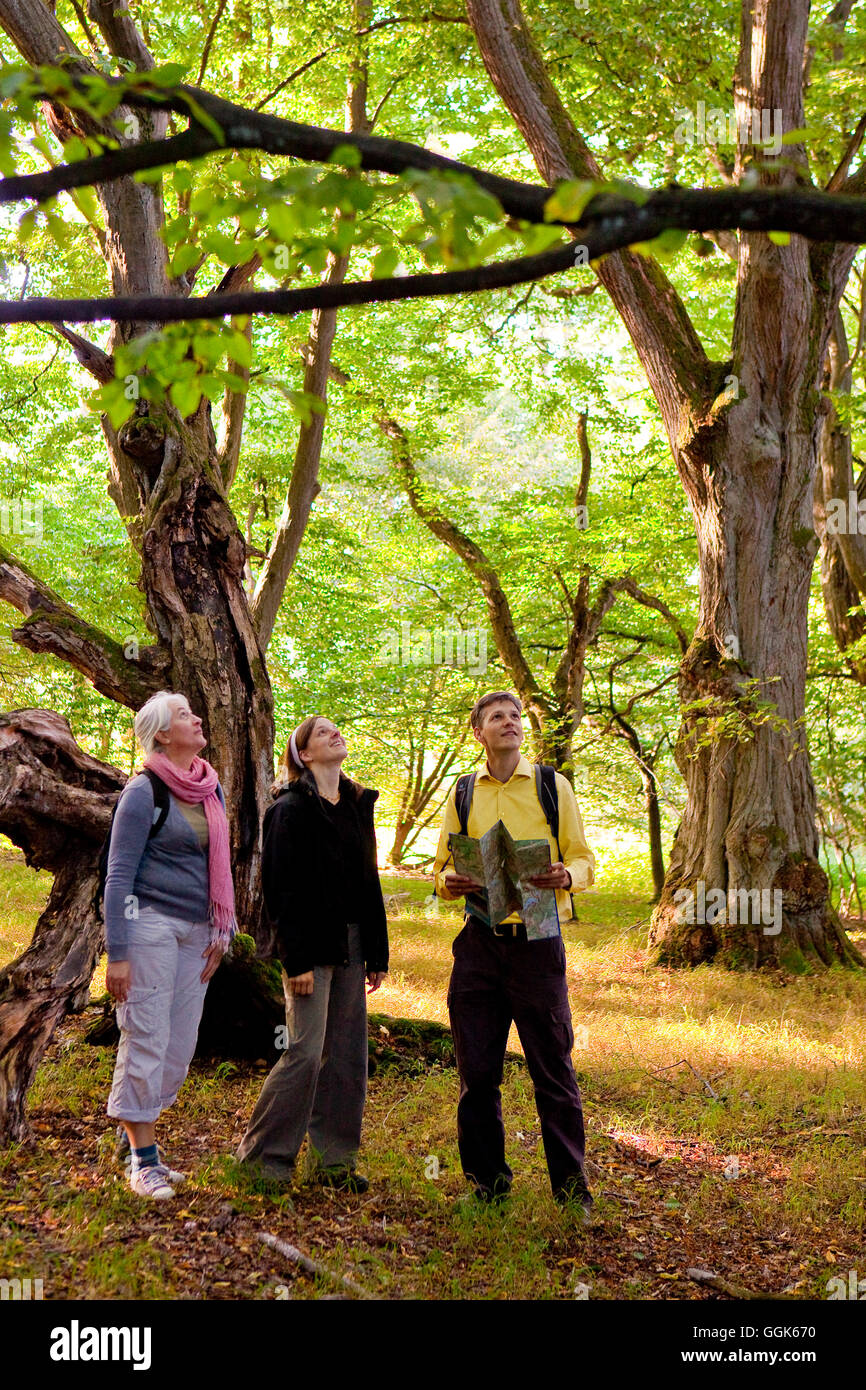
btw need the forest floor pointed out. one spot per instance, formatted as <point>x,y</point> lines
<point>726,1131</point>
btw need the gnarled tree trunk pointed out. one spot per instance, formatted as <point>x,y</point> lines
<point>55,802</point>
<point>747,457</point>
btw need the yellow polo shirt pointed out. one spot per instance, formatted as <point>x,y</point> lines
<point>516,804</point>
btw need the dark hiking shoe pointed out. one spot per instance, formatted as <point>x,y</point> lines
<point>343,1179</point>
<point>575,1198</point>
<point>493,1195</point>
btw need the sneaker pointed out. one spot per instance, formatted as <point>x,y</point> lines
<point>343,1179</point>
<point>123,1154</point>
<point>170,1174</point>
<point>149,1181</point>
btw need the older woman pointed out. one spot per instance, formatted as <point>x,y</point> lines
<point>322,890</point>
<point>169,916</point>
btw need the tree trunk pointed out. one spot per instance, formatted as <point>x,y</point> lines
<point>750,821</point>
<point>55,803</point>
<point>192,574</point>
<point>654,830</point>
<point>747,457</point>
<point>401,834</point>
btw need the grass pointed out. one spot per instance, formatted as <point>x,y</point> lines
<point>725,1130</point>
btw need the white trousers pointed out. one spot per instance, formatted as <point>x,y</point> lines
<point>159,1021</point>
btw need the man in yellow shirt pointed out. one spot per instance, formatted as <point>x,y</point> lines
<point>499,977</point>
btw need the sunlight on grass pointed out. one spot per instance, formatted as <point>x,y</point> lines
<point>704,1072</point>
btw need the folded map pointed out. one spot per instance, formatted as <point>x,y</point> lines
<point>503,866</point>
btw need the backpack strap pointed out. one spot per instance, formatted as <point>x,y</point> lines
<point>548,796</point>
<point>463,799</point>
<point>161,800</point>
<point>162,803</point>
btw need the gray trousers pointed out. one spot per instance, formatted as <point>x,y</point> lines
<point>319,1085</point>
<point>159,1021</point>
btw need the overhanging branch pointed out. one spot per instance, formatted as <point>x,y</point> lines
<point>818,216</point>
<point>129,675</point>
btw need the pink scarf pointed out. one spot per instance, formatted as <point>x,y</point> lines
<point>199,784</point>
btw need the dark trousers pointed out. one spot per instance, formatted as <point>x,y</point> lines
<point>496,980</point>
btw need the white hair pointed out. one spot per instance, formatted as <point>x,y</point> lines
<point>154,718</point>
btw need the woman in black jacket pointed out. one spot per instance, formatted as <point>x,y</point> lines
<point>322,891</point>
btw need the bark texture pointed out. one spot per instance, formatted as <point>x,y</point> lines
<point>745,437</point>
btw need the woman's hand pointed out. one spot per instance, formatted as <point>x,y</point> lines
<point>301,984</point>
<point>212,957</point>
<point>117,980</point>
<point>375,978</point>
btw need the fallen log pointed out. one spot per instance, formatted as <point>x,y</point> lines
<point>714,1281</point>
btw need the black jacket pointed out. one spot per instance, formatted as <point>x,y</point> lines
<point>300,862</point>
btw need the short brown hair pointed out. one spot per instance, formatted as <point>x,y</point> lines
<point>477,715</point>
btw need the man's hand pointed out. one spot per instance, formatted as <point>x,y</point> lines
<point>212,957</point>
<point>458,884</point>
<point>557,876</point>
<point>117,980</point>
<point>301,984</point>
<point>374,979</point>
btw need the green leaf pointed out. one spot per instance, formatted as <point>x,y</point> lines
<point>199,114</point>
<point>664,246</point>
<point>75,149</point>
<point>167,74</point>
<point>779,238</point>
<point>238,347</point>
<point>282,221</point>
<point>12,80</point>
<point>799,137</point>
<point>569,200</point>
<point>27,225</point>
<point>151,175</point>
<point>385,262</point>
<point>347,155</point>
<point>185,396</point>
<point>183,259</point>
<point>182,179</point>
<point>112,400</point>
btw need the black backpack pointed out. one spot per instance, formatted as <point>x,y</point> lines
<point>548,796</point>
<point>162,801</point>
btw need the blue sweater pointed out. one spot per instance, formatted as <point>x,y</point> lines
<point>169,872</point>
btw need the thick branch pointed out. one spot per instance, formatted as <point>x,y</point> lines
<point>89,355</point>
<point>120,32</point>
<point>820,216</point>
<point>585,461</point>
<point>664,337</point>
<point>304,485</point>
<point>50,789</point>
<point>52,626</point>
<point>234,403</point>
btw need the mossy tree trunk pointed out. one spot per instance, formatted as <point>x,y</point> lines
<point>745,437</point>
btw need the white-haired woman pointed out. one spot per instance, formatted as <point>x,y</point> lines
<point>169,916</point>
